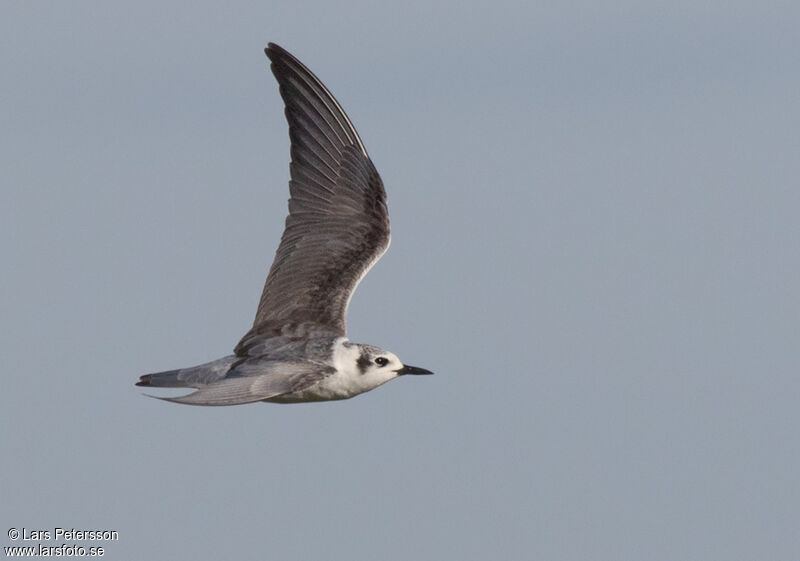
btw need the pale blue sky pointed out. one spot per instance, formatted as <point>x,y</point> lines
<point>595,247</point>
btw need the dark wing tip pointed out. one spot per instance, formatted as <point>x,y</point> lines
<point>144,380</point>
<point>275,52</point>
<point>298,82</point>
<point>284,62</point>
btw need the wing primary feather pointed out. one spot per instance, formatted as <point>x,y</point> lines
<point>280,56</point>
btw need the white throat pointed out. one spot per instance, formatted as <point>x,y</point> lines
<point>345,357</point>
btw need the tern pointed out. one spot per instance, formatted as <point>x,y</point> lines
<point>337,229</point>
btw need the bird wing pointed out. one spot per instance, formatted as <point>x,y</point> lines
<point>338,223</point>
<point>252,380</point>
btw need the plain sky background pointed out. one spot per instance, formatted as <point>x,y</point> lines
<point>595,247</point>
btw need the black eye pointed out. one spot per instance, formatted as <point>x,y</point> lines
<point>381,361</point>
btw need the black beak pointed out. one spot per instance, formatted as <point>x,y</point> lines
<point>412,370</point>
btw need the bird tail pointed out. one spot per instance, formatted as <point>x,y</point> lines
<point>214,381</point>
<point>166,379</point>
<point>193,377</point>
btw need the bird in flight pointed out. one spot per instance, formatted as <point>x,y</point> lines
<point>337,229</point>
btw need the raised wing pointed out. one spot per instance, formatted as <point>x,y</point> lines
<point>338,224</point>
